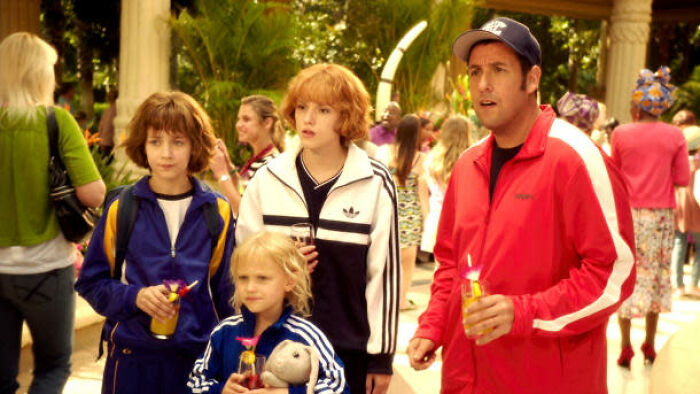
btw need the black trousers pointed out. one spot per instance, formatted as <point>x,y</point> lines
<point>355,369</point>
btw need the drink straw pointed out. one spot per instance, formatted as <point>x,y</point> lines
<point>193,284</point>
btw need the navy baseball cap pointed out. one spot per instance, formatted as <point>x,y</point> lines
<point>510,32</point>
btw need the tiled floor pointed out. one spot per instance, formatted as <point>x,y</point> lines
<point>620,381</point>
<point>87,374</point>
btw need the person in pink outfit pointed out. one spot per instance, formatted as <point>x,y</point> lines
<point>653,156</point>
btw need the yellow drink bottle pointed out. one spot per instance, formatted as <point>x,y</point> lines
<point>471,292</point>
<point>165,329</point>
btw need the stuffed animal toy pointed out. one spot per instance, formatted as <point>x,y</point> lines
<point>291,363</point>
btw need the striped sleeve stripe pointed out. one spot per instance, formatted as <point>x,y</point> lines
<point>603,190</point>
<point>387,187</point>
<point>203,363</point>
<point>382,172</point>
<point>392,278</point>
<point>225,213</point>
<point>314,336</point>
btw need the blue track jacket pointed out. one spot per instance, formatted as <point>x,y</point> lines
<point>220,359</point>
<point>149,260</point>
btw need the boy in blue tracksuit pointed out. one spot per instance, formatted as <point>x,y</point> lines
<point>171,136</point>
<point>272,287</point>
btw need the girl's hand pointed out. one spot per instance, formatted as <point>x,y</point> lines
<point>154,301</point>
<point>221,146</point>
<point>310,254</point>
<point>234,384</point>
<point>219,162</point>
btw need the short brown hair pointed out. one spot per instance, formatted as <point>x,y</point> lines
<point>337,87</point>
<point>171,112</point>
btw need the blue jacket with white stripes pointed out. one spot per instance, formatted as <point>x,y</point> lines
<point>221,356</point>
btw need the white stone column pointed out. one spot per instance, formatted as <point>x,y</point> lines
<point>629,35</point>
<point>144,56</point>
<point>19,15</point>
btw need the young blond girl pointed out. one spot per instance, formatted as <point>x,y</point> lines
<point>453,140</point>
<point>350,200</point>
<point>272,289</point>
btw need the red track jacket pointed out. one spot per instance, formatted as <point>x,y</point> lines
<point>558,238</point>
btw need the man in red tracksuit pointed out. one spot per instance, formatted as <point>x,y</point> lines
<point>547,217</point>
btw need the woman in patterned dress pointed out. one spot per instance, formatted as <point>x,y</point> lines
<point>405,162</point>
<point>259,126</point>
<point>653,157</point>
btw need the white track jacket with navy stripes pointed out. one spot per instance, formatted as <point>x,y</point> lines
<point>221,356</point>
<point>557,238</point>
<point>356,282</point>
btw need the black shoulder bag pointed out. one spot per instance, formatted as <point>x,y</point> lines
<point>76,220</point>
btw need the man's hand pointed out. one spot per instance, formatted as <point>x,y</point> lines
<point>234,384</point>
<point>154,301</point>
<point>421,353</point>
<point>494,312</point>
<point>310,254</point>
<point>377,383</point>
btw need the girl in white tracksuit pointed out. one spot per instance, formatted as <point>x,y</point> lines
<point>350,200</point>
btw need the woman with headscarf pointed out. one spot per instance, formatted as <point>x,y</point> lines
<point>653,156</point>
<point>579,110</point>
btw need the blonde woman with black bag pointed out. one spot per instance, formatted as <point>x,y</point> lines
<point>36,261</point>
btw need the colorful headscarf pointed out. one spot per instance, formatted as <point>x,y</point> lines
<point>654,94</point>
<point>579,110</point>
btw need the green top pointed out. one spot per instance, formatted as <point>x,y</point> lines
<point>26,214</point>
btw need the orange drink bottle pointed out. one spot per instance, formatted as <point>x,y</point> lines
<point>165,329</point>
<point>251,365</point>
<point>472,290</point>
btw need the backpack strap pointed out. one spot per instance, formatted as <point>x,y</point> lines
<point>126,217</point>
<point>211,216</point>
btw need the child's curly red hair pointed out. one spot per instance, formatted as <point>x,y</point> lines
<point>337,87</point>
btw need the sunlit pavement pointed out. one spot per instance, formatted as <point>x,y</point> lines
<point>87,373</point>
<point>620,381</point>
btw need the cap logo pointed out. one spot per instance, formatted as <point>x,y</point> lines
<point>495,27</point>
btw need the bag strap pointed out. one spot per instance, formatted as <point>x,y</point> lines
<point>52,128</point>
<point>211,216</point>
<point>128,208</point>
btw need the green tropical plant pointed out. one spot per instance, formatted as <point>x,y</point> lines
<point>687,95</point>
<point>228,49</point>
<point>113,173</point>
<point>363,36</point>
